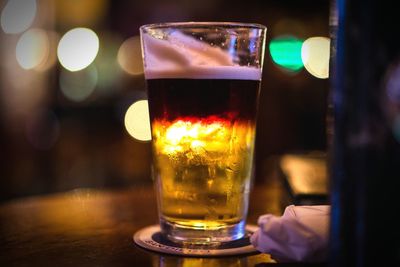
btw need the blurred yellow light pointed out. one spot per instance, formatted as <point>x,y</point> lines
<point>137,121</point>
<point>78,86</point>
<point>82,12</point>
<point>18,15</point>
<point>32,48</point>
<point>130,56</point>
<point>315,55</point>
<point>78,48</point>
<point>51,58</point>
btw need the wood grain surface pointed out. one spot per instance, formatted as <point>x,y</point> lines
<point>87,227</point>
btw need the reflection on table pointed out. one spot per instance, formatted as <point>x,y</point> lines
<point>94,228</point>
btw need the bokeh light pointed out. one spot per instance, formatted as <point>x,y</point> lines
<point>82,12</point>
<point>130,56</point>
<point>32,48</point>
<point>106,63</point>
<point>315,54</point>
<point>78,86</point>
<point>286,52</point>
<point>42,129</point>
<point>137,121</point>
<point>51,59</point>
<point>18,15</point>
<point>78,48</point>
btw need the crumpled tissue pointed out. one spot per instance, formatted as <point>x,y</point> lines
<point>299,235</point>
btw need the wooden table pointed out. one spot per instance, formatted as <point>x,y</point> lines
<point>88,227</point>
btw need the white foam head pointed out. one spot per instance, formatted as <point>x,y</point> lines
<point>182,56</point>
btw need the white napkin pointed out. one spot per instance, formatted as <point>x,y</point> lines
<point>301,234</point>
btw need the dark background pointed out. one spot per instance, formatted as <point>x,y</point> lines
<point>49,143</point>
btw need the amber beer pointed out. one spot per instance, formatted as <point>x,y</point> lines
<point>203,131</point>
<point>203,137</point>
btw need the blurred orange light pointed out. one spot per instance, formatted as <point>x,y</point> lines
<point>130,56</point>
<point>83,12</point>
<point>51,59</point>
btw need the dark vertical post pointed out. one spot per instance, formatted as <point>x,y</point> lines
<point>365,167</point>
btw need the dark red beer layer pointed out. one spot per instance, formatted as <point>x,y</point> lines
<point>202,99</point>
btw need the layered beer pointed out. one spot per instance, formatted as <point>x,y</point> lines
<point>203,140</point>
<point>203,84</point>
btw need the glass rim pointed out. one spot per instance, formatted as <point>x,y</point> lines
<point>195,24</point>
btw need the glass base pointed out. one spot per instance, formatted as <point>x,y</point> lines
<point>152,239</point>
<point>184,234</point>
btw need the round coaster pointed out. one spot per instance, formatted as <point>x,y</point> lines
<point>152,239</point>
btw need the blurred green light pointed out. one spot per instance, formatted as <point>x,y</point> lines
<point>286,52</point>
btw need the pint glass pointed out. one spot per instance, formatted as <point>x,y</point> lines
<point>203,83</point>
